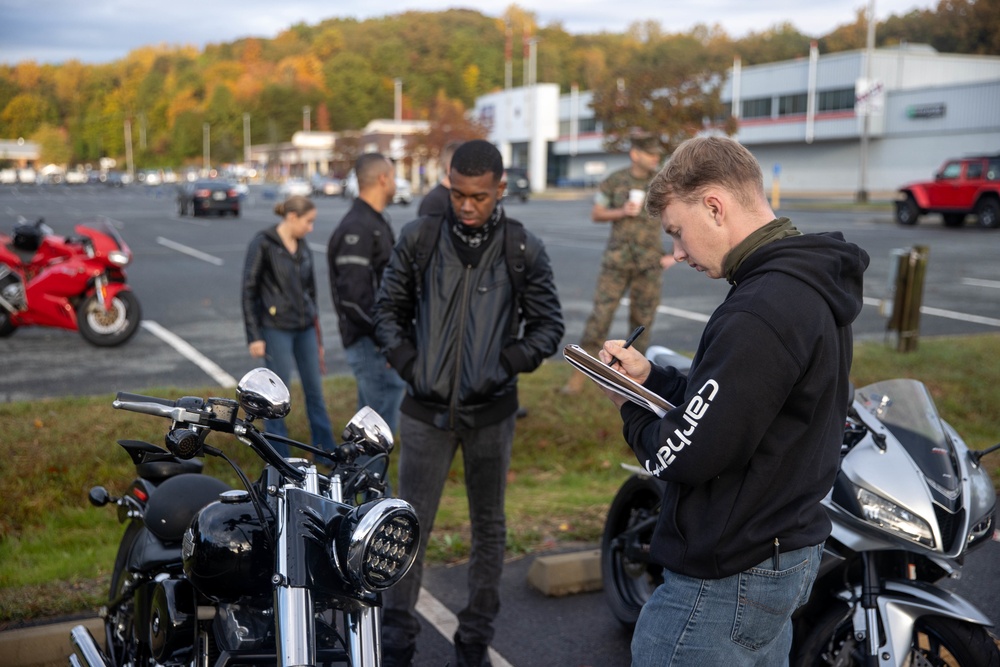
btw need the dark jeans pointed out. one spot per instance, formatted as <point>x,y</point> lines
<point>425,458</point>
<point>379,385</point>
<point>285,349</point>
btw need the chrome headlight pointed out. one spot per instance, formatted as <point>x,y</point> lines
<point>119,257</point>
<point>377,543</point>
<point>890,517</point>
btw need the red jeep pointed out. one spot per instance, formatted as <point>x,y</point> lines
<point>961,186</point>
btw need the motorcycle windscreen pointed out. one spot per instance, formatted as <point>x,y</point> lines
<point>907,410</point>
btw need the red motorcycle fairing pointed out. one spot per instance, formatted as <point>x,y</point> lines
<point>63,272</point>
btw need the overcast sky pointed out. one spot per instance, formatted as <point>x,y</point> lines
<point>95,31</point>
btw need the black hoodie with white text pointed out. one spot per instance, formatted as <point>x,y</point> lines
<point>753,444</point>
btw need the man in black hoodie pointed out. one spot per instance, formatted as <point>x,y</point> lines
<point>753,444</point>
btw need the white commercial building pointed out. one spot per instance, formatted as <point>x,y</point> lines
<point>803,119</point>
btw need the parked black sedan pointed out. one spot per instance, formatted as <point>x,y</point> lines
<point>204,197</point>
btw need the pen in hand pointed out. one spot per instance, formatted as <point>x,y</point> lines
<point>628,343</point>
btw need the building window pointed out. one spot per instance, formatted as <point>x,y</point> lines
<point>757,108</point>
<point>582,125</point>
<point>836,100</point>
<point>791,105</point>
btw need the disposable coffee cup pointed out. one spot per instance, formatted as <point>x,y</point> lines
<point>637,196</point>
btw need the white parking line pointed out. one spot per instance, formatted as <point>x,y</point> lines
<point>676,312</point>
<point>949,314</point>
<point>187,351</point>
<point>197,254</point>
<point>446,623</point>
<point>975,282</point>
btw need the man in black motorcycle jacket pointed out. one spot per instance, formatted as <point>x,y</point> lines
<point>459,333</point>
<point>753,444</point>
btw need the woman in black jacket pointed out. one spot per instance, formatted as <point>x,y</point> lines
<point>279,310</point>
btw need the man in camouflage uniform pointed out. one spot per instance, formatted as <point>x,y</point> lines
<point>634,259</point>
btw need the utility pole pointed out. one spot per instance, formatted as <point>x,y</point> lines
<point>206,148</point>
<point>862,196</point>
<point>246,139</point>
<point>128,149</point>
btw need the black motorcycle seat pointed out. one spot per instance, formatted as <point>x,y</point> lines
<point>159,471</point>
<point>176,501</point>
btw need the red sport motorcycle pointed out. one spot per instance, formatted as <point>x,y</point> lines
<point>73,282</point>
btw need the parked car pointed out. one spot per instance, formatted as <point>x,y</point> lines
<point>962,186</point>
<point>295,186</point>
<point>518,184</point>
<point>404,193</point>
<point>350,190</point>
<point>207,196</point>
<point>116,179</point>
<point>326,186</point>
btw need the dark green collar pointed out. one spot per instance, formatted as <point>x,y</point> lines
<point>775,230</point>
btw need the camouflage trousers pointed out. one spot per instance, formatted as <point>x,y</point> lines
<point>643,284</point>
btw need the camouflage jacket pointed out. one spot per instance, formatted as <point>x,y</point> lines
<point>637,238</point>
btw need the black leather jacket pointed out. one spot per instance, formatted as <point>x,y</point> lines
<point>459,345</point>
<point>279,289</point>
<point>357,254</point>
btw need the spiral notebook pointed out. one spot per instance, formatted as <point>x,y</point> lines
<point>609,378</point>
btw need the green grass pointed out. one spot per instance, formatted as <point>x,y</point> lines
<point>56,550</point>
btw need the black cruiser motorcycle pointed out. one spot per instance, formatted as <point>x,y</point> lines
<point>908,504</point>
<point>285,571</point>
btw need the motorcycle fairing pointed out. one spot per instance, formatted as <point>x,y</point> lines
<point>901,603</point>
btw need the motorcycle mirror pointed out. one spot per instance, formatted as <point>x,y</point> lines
<point>99,496</point>
<point>369,429</point>
<point>262,394</point>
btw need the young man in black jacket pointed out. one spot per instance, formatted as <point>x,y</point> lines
<point>358,252</point>
<point>454,333</point>
<point>753,444</point>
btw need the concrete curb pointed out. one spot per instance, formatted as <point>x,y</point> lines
<point>44,645</point>
<point>49,645</point>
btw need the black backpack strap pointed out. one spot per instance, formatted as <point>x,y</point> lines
<point>515,253</point>
<point>427,238</point>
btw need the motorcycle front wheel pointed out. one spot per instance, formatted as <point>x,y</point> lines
<point>6,325</point>
<point>119,625</point>
<point>629,578</point>
<point>109,327</point>
<point>936,642</point>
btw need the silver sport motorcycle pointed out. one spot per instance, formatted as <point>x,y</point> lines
<point>909,502</point>
<point>285,571</point>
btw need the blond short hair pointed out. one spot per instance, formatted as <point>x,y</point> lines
<point>702,162</point>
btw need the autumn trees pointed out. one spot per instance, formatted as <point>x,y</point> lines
<point>343,71</point>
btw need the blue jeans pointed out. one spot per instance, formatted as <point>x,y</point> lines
<point>741,620</point>
<point>379,385</point>
<point>284,349</point>
<point>424,461</point>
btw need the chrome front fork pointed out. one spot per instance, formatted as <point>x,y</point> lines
<point>295,622</point>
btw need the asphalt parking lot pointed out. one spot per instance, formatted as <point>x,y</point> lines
<point>186,273</point>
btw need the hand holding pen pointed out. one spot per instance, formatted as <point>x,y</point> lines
<point>628,343</point>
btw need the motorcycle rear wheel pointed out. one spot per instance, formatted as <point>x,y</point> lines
<point>629,583</point>
<point>937,642</point>
<point>107,328</point>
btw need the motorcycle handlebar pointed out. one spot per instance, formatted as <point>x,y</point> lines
<point>158,407</point>
<point>163,407</point>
